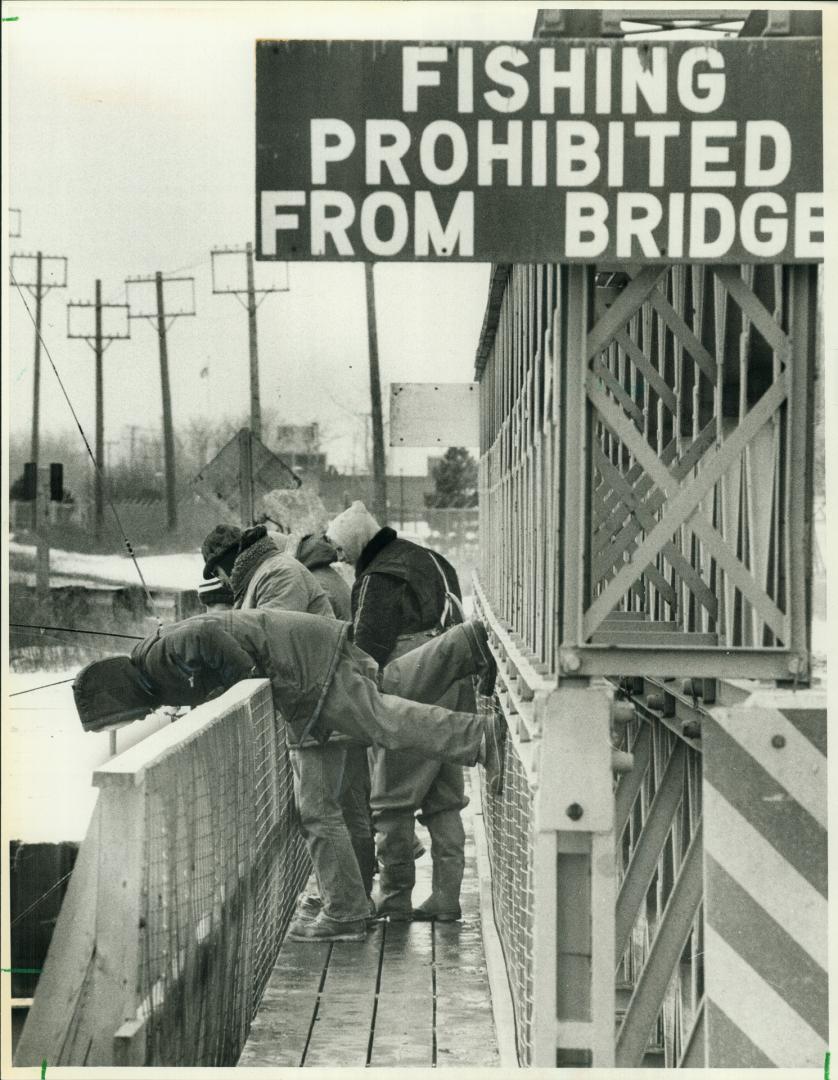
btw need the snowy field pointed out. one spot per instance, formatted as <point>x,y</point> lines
<point>179,571</point>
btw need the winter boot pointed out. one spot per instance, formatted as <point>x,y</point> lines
<point>325,929</point>
<point>397,872</point>
<point>447,854</point>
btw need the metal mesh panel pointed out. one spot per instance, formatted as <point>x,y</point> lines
<point>224,863</point>
<point>509,833</point>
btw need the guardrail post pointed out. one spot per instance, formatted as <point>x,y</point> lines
<point>574,881</point>
<point>765,882</point>
<point>114,991</point>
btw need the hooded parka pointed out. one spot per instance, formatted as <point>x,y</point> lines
<point>317,555</point>
<point>192,660</point>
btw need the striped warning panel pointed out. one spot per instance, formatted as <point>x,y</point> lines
<point>765,875</point>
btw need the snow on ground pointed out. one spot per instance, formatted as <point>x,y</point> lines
<point>182,570</point>
<point>49,759</point>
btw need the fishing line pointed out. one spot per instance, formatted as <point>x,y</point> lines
<point>74,630</point>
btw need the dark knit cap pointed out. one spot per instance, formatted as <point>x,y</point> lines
<point>112,691</point>
<point>221,541</point>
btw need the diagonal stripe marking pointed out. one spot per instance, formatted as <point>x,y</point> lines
<point>797,766</point>
<point>757,1009</point>
<point>766,806</point>
<point>751,861</point>
<point>765,946</point>
<point>729,1047</point>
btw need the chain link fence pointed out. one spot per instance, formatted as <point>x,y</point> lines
<point>224,864</point>
<point>509,835</point>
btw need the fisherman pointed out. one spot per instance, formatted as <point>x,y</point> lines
<point>321,683</point>
<point>331,780</point>
<point>404,595</point>
<point>258,573</point>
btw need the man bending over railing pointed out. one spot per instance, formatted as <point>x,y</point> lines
<point>321,682</point>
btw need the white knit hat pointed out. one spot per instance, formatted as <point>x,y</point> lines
<point>352,530</point>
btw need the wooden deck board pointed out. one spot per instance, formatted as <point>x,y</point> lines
<point>465,1027</point>
<point>341,1032</point>
<point>280,1029</point>
<point>433,995</point>
<point>404,1020</point>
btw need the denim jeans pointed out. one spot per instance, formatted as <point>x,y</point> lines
<point>322,785</point>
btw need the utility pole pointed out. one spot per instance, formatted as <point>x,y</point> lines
<point>379,475</point>
<point>99,342</point>
<point>168,430</point>
<point>38,274</point>
<point>157,315</point>
<point>246,477</point>
<point>253,298</point>
<point>132,443</point>
<point>42,496</point>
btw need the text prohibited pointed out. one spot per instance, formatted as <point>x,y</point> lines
<point>573,151</point>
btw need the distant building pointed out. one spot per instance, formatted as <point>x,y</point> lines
<point>299,447</point>
<point>405,494</point>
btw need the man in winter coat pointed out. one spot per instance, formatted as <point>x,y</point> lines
<point>318,556</point>
<point>403,596</point>
<point>331,779</point>
<point>258,573</point>
<point>321,682</point>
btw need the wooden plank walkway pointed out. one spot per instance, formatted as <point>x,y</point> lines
<point>413,994</point>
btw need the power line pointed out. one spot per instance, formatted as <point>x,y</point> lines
<point>125,539</point>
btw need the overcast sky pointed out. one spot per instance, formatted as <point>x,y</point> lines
<point>131,149</point>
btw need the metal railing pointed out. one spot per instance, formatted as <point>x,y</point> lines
<point>180,897</point>
<point>646,452</point>
<point>646,505</point>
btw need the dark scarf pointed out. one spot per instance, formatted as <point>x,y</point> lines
<point>381,539</point>
<point>248,561</point>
